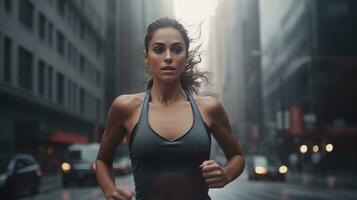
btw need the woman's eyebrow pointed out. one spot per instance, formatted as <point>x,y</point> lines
<point>177,44</point>
<point>158,43</point>
<point>162,44</point>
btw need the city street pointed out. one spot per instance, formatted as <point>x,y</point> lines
<point>241,189</point>
<point>157,88</point>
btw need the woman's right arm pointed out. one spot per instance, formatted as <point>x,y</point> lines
<point>113,134</point>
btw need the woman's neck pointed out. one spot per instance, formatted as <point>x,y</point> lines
<point>167,94</point>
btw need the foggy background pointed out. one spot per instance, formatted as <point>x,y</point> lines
<point>285,71</point>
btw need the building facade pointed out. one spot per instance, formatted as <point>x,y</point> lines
<point>52,75</point>
<point>252,77</point>
<point>235,64</point>
<point>309,51</point>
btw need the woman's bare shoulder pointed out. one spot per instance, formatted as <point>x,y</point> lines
<point>207,103</point>
<point>127,103</point>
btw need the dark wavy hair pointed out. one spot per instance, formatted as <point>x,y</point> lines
<point>190,78</point>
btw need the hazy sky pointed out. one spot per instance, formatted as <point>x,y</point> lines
<point>194,12</point>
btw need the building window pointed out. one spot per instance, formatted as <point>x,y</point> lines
<point>49,82</point>
<point>25,59</point>
<point>60,88</point>
<point>41,78</point>
<point>69,52</point>
<point>81,63</point>
<point>69,93</point>
<point>26,9</point>
<point>74,96</point>
<point>42,26</point>
<point>60,43</point>
<point>81,100</point>
<point>7,58</point>
<point>50,32</point>
<point>74,57</point>
<point>61,4</point>
<point>8,5</point>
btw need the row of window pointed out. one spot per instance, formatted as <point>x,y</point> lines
<point>78,26</point>
<point>63,46</point>
<point>48,82</point>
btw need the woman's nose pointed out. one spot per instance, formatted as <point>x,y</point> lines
<point>168,57</point>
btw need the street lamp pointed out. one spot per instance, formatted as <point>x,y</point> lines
<point>303,148</point>
<point>329,147</point>
<point>315,148</point>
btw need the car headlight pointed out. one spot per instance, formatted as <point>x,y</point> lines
<point>66,167</point>
<point>260,170</point>
<point>283,169</point>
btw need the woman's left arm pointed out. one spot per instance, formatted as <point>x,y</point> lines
<point>217,176</point>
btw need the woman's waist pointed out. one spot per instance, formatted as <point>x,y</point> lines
<point>171,184</point>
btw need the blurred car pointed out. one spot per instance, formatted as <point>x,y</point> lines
<point>122,165</point>
<point>79,164</point>
<point>19,174</point>
<point>262,167</point>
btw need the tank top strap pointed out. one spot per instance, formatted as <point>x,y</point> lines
<point>144,110</point>
<point>197,112</point>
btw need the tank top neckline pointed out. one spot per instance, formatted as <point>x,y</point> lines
<point>180,136</point>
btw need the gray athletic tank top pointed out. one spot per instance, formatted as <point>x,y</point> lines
<point>169,170</point>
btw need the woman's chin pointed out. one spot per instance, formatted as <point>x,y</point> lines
<point>169,79</point>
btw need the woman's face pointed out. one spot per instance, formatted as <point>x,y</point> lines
<point>166,56</point>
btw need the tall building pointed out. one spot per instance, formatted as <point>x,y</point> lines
<point>309,53</point>
<point>235,64</point>
<point>252,76</point>
<point>51,75</point>
<point>225,61</point>
<point>127,21</point>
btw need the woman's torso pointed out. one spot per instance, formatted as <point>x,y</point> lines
<point>167,146</point>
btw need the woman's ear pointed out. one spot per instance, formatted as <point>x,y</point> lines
<point>146,61</point>
<point>146,58</point>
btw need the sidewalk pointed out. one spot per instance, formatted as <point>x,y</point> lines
<point>345,181</point>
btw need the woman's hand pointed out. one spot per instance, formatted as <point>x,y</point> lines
<point>214,175</point>
<point>122,193</point>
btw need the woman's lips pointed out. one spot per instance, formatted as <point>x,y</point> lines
<point>168,68</point>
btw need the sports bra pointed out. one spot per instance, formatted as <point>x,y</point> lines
<point>169,169</point>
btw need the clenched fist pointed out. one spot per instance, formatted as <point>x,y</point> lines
<point>122,193</point>
<point>214,174</point>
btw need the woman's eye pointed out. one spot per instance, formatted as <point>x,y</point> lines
<point>177,49</point>
<point>158,49</point>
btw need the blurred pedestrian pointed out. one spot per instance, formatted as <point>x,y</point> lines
<point>169,127</point>
<point>315,160</point>
<point>293,161</point>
